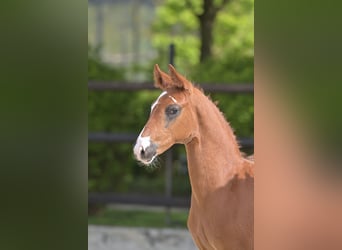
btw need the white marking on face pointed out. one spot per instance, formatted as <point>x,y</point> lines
<point>156,102</point>
<point>173,99</point>
<point>142,143</point>
<point>145,142</point>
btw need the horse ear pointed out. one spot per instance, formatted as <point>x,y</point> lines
<point>178,80</point>
<point>161,79</point>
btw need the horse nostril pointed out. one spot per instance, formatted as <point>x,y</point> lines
<point>148,153</point>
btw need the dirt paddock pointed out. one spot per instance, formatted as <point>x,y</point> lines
<point>112,238</point>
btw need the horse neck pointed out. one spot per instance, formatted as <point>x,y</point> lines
<point>213,154</point>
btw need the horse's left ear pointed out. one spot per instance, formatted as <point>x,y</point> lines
<point>161,79</point>
<point>178,80</point>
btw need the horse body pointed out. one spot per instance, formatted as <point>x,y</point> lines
<point>222,181</point>
<point>221,212</point>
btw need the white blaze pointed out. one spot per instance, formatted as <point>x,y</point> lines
<point>142,143</point>
<point>173,99</point>
<point>161,95</point>
<point>156,102</point>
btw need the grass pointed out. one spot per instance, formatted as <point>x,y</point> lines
<point>139,218</point>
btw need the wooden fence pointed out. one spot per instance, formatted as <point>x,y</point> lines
<point>167,199</point>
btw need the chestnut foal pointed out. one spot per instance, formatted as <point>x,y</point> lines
<point>222,211</point>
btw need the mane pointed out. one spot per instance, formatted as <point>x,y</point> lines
<point>249,160</point>
<point>221,115</point>
<point>198,87</point>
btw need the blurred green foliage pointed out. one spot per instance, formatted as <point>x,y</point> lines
<point>112,166</point>
<point>177,23</point>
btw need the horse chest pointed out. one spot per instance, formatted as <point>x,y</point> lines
<point>214,234</point>
<point>221,222</point>
<point>209,230</point>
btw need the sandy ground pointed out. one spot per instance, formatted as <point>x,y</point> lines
<point>122,238</point>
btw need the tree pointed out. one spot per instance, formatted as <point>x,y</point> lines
<point>206,21</point>
<point>204,30</point>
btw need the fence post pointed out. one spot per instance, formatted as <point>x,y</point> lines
<point>169,156</point>
<point>172,54</point>
<point>99,26</point>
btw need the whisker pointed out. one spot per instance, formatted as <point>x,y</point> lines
<point>155,164</point>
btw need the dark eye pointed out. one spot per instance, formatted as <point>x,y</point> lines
<point>172,111</point>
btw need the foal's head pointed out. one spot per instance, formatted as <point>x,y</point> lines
<point>172,119</point>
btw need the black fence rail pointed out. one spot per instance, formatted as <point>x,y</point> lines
<point>167,199</point>
<point>122,137</point>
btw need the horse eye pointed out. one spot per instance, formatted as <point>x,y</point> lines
<point>172,110</point>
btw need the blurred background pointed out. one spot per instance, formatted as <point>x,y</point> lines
<point>211,42</point>
<point>298,127</point>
